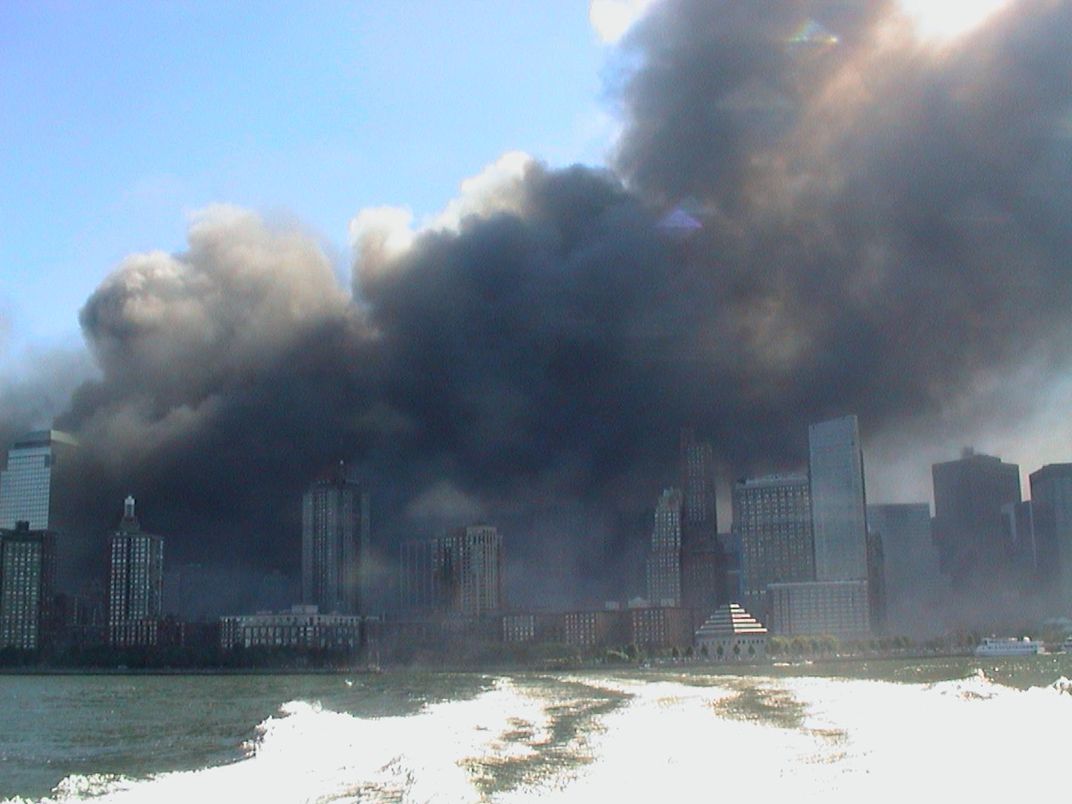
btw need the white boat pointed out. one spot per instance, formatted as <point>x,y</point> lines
<point>1008,646</point>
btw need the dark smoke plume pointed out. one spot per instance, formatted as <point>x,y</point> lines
<point>874,223</point>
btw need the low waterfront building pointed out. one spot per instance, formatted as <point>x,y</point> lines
<point>837,608</point>
<point>732,634</point>
<point>659,627</point>
<point>532,627</point>
<point>303,627</point>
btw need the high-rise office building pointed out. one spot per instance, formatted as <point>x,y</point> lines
<point>335,544</point>
<point>27,572</point>
<point>772,520</point>
<point>838,502</point>
<point>703,565</point>
<point>699,514</point>
<point>35,480</point>
<point>459,573</point>
<point>1051,504</point>
<point>135,582</point>
<point>969,527</point>
<point>913,582</point>
<point>664,558</point>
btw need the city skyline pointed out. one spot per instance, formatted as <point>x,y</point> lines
<point>528,351</point>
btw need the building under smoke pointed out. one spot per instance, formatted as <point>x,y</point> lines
<point>135,582</point>
<point>335,544</point>
<point>772,519</point>
<point>27,577</point>
<point>969,527</point>
<point>36,479</point>
<point>664,558</point>
<point>1051,505</point>
<point>460,573</point>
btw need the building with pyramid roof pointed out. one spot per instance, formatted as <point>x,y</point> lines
<point>732,634</point>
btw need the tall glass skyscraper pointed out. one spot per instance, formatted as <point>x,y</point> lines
<point>335,543</point>
<point>31,483</point>
<point>838,500</point>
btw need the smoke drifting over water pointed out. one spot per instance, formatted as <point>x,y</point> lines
<point>882,225</point>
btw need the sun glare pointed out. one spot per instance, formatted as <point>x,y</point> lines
<point>947,19</point>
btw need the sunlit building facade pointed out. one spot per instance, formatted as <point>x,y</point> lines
<point>35,479</point>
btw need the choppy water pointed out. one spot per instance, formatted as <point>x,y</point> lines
<point>888,730</point>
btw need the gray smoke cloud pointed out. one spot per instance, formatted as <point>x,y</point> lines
<point>865,223</point>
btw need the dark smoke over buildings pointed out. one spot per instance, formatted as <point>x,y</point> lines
<point>881,222</point>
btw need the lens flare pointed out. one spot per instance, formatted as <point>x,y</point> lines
<point>948,19</point>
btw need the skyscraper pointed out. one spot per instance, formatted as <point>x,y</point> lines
<point>699,515</point>
<point>969,527</point>
<point>772,519</point>
<point>703,565</point>
<point>27,573</point>
<point>459,573</point>
<point>135,582</point>
<point>838,504</point>
<point>335,544</point>
<point>1051,506</point>
<point>35,479</point>
<point>913,582</point>
<point>664,558</point>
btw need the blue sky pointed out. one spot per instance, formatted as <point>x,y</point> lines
<point>118,119</point>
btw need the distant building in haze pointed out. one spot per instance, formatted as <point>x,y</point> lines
<point>969,527</point>
<point>838,500</point>
<point>1051,503</point>
<point>135,582</point>
<point>35,481</point>
<point>772,520</point>
<point>664,557</point>
<point>335,544</point>
<point>27,573</point>
<point>914,585</point>
<point>457,574</point>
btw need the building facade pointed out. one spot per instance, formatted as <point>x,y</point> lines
<point>36,480</point>
<point>664,558</point>
<point>303,627</point>
<point>460,573</point>
<point>837,608</point>
<point>135,582</point>
<point>335,543</point>
<point>772,520</point>
<point>838,500</point>
<point>914,585</point>
<point>27,574</point>
<point>969,527</point>
<point>1051,503</point>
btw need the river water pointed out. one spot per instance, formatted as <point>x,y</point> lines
<point>890,730</point>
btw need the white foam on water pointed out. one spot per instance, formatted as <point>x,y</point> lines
<point>857,740</point>
<point>816,739</point>
<point>309,754</point>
